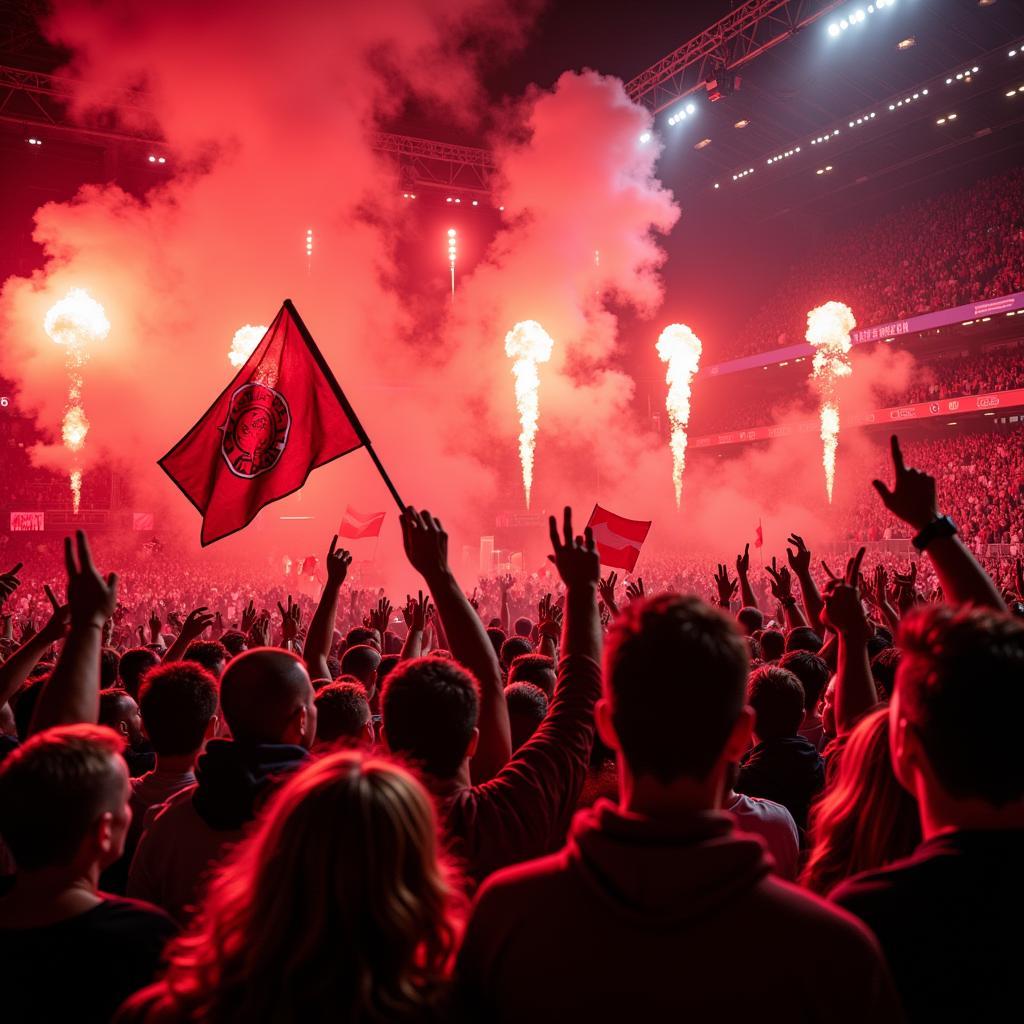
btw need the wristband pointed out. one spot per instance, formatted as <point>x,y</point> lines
<point>937,529</point>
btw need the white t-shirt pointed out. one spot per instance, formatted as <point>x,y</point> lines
<point>774,824</point>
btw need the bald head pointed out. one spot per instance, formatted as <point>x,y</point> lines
<point>266,697</point>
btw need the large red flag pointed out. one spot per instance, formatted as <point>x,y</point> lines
<point>357,525</point>
<point>618,540</point>
<point>280,418</point>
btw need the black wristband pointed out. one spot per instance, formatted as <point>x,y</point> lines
<point>938,528</point>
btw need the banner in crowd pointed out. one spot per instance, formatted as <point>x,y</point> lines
<point>143,521</point>
<point>356,525</point>
<point>27,521</point>
<point>893,414</point>
<point>618,539</point>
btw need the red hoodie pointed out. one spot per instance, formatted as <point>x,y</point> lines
<point>642,920</point>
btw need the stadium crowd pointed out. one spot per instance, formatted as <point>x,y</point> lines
<point>555,798</point>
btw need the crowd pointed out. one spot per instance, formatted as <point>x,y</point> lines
<point>607,802</point>
<point>956,248</point>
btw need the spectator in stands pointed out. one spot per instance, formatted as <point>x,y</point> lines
<point>513,648</point>
<point>134,664</point>
<point>343,717</point>
<point>121,713</point>
<point>527,708</point>
<point>362,662</point>
<point>813,674</point>
<point>211,654</point>
<point>537,669</point>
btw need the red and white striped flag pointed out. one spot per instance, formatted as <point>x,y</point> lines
<point>356,525</point>
<point>618,540</point>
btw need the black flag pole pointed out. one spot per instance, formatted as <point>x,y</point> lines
<point>343,401</point>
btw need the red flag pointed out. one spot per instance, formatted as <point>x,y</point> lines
<point>618,540</point>
<point>308,565</point>
<point>758,536</point>
<point>280,418</point>
<point>357,525</point>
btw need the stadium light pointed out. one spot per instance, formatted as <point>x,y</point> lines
<point>645,137</point>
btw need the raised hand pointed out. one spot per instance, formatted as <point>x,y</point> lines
<point>782,582</point>
<point>196,623</point>
<point>417,610</point>
<point>57,625</point>
<point>800,559</point>
<point>425,542</point>
<point>28,629</point>
<point>259,632</point>
<point>380,617</point>
<point>844,611</point>
<point>9,582</point>
<point>726,588</point>
<point>505,583</point>
<point>606,590</point>
<point>154,626</point>
<point>337,562</point>
<point>248,617</point>
<point>913,497</point>
<point>474,599</point>
<point>291,620</point>
<point>575,558</point>
<point>635,590</point>
<point>91,598</point>
<point>742,562</point>
<point>549,620</point>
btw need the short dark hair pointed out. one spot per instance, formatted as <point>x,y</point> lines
<point>527,708</point>
<point>959,686</point>
<point>752,619</point>
<point>386,667</point>
<point>234,641</point>
<point>537,669</point>
<point>134,664</point>
<point>342,712</point>
<point>512,648</point>
<point>361,661</point>
<point>392,643</point>
<point>813,673</point>
<point>211,654</point>
<point>773,644</point>
<point>54,787</point>
<point>883,669</point>
<point>674,672</point>
<point>113,706</point>
<point>803,638</point>
<point>523,626</point>
<point>429,710</point>
<point>362,635</point>
<point>109,661</point>
<point>177,701</point>
<point>777,698</point>
<point>497,637</point>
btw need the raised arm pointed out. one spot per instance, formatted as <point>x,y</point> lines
<point>914,499</point>
<point>505,585</point>
<point>321,627</point>
<point>415,612</point>
<point>782,591</point>
<point>726,587</point>
<point>192,628</point>
<point>71,694</point>
<point>579,565</point>
<point>549,625</point>
<point>426,547</point>
<point>17,668</point>
<point>743,575</point>
<point>799,558</point>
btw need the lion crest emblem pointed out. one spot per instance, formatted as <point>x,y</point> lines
<point>256,430</point>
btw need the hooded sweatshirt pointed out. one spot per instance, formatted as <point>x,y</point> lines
<point>192,830</point>
<point>643,919</point>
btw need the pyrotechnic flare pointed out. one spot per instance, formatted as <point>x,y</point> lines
<point>828,330</point>
<point>528,344</point>
<point>76,322</point>
<point>244,343</point>
<point>680,348</point>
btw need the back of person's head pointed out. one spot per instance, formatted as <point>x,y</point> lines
<point>24,704</point>
<point>179,707</point>
<point>387,665</point>
<point>773,645</point>
<point>347,857</point>
<point>811,670</point>
<point>958,703</point>
<point>777,698</point>
<point>266,697</point>
<point>883,669</point>
<point>429,711</point>
<point>875,645</point>
<point>134,664</point>
<point>537,669</point>
<point>527,708</point>
<point>803,638</point>
<point>674,674</point>
<point>750,619</point>
<point>392,643</point>
<point>343,715</point>
<point>63,795</point>
<point>211,654</point>
<point>497,637</point>
<point>865,819</point>
<point>362,635</point>
<point>523,626</point>
<point>109,661</point>
<point>512,648</point>
<point>333,666</point>
<point>362,661</point>
<point>234,642</point>
<point>120,712</point>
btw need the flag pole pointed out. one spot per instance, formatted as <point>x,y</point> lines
<point>342,400</point>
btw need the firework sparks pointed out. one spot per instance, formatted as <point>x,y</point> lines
<point>528,344</point>
<point>244,343</point>
<point>680,348</point>
<point>76,322</point>
<point>828,330</point>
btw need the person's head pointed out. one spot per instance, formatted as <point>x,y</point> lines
<point>134,664</point>
<point>362,661</point>
<point>179,707</point>
<point>956,711</point>
<point>119,711</point>
<point>234,642</point>
<point>497,637</point>
<point>429,711</point>
<point>527,707</point>
<point>392,643</point>
<point>883,669</point>
<point>109,661</point>
<point>211,654</point>
<point>343,716</point>
<point>803,638</point>
<point>673,705</point>
<point>827,708</point>
<point>347,857</point>
<point>64,800</point>
<point>537,669</point>
<point>522,627</point>
<point>362,635</point>
<point>750,620</point>
<point>333,666</point>
<point>266,697</point>
<point>864,819</point>
<point>773,645</point>
<point>512,648</point>
<point>387,665</point>
<point>777,698</point>
<point>812,672</point>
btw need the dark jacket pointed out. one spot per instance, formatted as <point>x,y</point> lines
<point>789,771</point>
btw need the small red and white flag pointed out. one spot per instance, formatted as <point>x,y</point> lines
<point>758,536</point>
<point>618,540</point>
<point>356,525</point>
